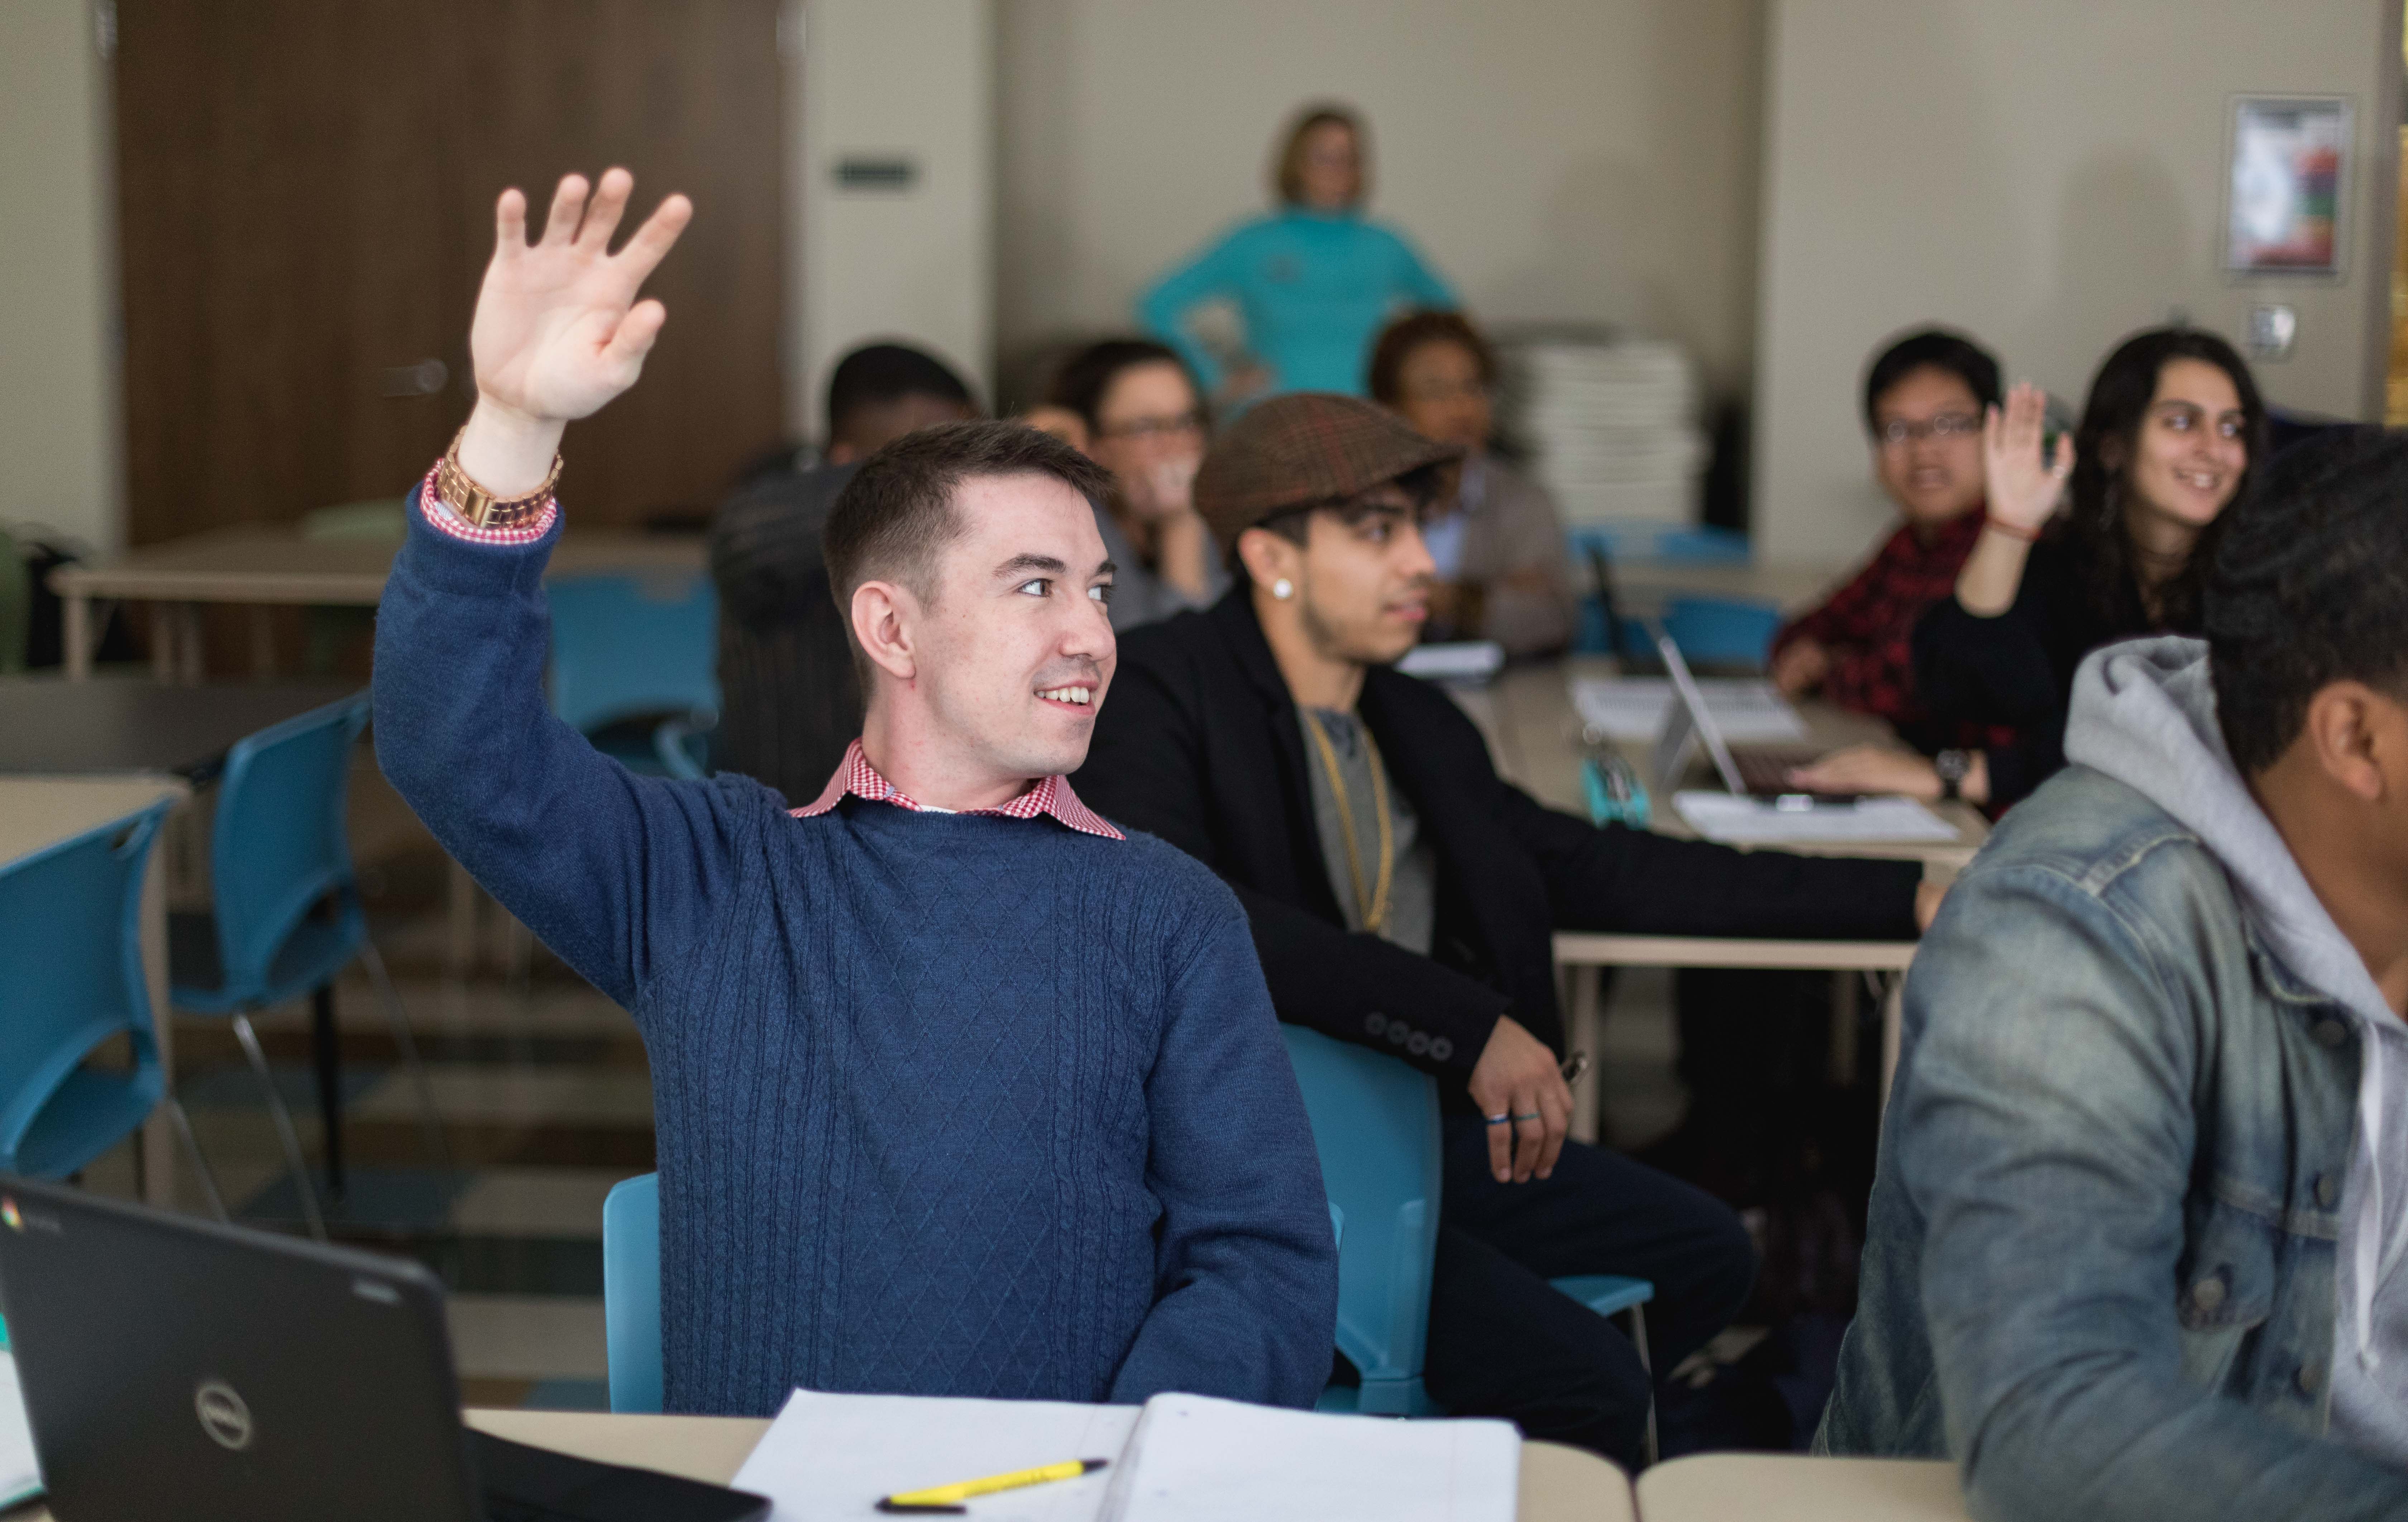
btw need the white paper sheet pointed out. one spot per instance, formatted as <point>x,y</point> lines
<point>829,1458</point>
<point>1463,660</point>
<point>1741,821</point>
<point>1633,708</point>
<point>19,1476</point>
<point>1197,1460</point>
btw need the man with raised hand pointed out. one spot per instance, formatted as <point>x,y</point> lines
<point>959,1090</point>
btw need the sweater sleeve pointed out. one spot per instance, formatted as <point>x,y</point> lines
<point>1617,879</point>
<point>1996,671</point>
<point>1245,1267</point>
<point>1416,282</point>
<point>607,868</point>
<point>1219,271</point>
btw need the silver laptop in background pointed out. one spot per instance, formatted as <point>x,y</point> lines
<point>1686,722</point>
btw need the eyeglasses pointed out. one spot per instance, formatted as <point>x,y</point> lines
<point>1898,431</point>
<point>1143,428</point>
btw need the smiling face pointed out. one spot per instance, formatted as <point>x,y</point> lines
<point>1013,652</point>
<point>1361,578</point>
<point>2192,448</point>
<point>1928,446</point>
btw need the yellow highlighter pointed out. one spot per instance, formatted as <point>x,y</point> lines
<point>948,1497</point>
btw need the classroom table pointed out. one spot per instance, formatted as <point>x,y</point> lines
<point>115,726</point>
<point>262,566</point>
<point>39,811</point>
<point>1558,1483</point>
<point>1535,735</point>
<point>1794,1487</point>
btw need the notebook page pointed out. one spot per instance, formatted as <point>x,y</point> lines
<point>19,1476</point>
<point>1634,708</point>
<point>1197,1460</point>
<point>1742,820</point>
<point>829,1458</point>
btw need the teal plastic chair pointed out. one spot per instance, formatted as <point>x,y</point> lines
<point>71,939</point>
<point>633,647</point>
<point>1722,631</point>
<point>683,746</point>
<point>285,916</point>
<point>631,1289</point>
<point>631,1292</point>
<point>1375,1125</point>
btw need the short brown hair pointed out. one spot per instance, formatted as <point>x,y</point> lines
<point>1287,170</point>
<point>1409,332</point>
<point>897,514</point>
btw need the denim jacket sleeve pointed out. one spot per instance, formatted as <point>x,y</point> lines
<point>2046,1138</point>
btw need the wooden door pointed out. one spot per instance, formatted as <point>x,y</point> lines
<point>306,195</point>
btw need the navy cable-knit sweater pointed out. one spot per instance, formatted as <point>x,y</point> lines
<point>947,1104</point>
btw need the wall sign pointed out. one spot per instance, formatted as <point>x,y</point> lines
<point>2286,183</point>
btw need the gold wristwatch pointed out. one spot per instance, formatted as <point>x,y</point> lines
<point>479,507</point>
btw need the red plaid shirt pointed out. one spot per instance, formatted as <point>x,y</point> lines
<point>1050,795</point>
<point>1869,625</point>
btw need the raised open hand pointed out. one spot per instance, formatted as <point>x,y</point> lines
<point>2023,485</point>
<point>559,330</point>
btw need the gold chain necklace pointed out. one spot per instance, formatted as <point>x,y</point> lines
<point>1377,914</point>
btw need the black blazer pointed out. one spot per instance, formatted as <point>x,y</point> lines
<point>1199,742</point>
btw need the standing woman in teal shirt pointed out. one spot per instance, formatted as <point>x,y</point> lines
<point>1314,282</point>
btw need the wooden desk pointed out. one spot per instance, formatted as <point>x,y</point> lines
<point>262,567</point>
<point>1740,1487</point>
<point>1534,733</point>
<point>39,811</point>
<point>1558,1483</point>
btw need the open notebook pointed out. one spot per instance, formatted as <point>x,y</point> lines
<point>1179,1457</point>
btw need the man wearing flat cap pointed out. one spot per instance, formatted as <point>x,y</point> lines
<point>1404,897</point>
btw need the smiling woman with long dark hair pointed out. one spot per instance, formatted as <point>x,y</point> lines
<point>2169,436</point>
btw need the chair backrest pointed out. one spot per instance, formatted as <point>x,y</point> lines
<point>16,605</point>
<point>631,1291</point>
<point>1722,631</point>
<point>628,645</point>
<point>71,941</point>
<point>279,842</point>
<point>1375,1125</point>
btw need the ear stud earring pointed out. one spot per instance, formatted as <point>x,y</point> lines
<point>1282,589</point>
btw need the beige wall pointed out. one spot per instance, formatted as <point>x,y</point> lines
<point>886,78</point>
<point>2049,175</point>
<point>59,430</point>
<point>1591,159</point>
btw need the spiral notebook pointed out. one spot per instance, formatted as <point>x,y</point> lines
<point>1176,1458</point>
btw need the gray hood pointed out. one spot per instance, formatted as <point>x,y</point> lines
<point>2143,713</point>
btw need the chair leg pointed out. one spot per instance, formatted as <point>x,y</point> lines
<point>408,1043</point>
<point>1639,1341</point>
<point>200,1163</point>
<point>284,1131</point>
<point>327,1047</point>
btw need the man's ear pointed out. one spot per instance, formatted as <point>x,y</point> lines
<point>1267,556</point>
<point>2359,737</point>
<point>885,619</point>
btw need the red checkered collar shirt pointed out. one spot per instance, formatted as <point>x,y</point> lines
<point>1048,796</point>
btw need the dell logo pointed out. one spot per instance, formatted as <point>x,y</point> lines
<point>223,1416</point>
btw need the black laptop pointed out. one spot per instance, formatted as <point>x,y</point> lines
<point>176,1368</point>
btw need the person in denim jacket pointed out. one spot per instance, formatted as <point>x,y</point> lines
<point>2136,1236</point>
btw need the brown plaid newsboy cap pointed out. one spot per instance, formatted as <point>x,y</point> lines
<point>1307,447</point>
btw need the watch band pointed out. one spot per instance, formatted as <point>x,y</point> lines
<point>481,508</point>
<point>1951,766</point>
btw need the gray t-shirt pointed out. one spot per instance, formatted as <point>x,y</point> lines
<point>1412,883</point>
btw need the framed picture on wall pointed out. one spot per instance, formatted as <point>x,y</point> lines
<point>2285,184</point>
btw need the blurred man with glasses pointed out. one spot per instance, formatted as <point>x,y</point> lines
<point>1924,397</point>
